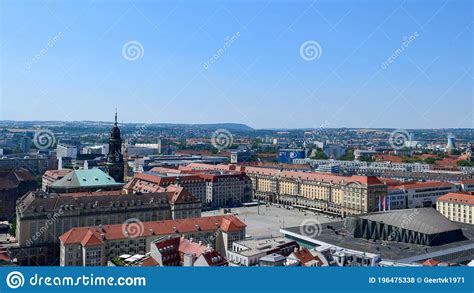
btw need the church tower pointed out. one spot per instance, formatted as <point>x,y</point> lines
<point>114,164</point>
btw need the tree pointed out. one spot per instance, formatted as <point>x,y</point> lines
<point>319,155</point>
<point>348,156</point>
<point>464,163</point>
<point>12,231</point>
<point>430,161</point>
<point>39,181</point>
<point>455,152</point>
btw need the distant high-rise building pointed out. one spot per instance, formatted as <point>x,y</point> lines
<point>114,163</point>
<point>66,150</point>
<point>163,146</point>
<point>25,144</point>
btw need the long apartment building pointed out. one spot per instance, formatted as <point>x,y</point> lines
<point>416,194</point>
<point>400,171</point>
<point>340,195</point>
<point>42,218</point>
<point>214,189</point>
<point>458,207</point>
<point>96,245</point>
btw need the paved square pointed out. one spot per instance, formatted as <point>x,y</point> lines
<point>271,219</point>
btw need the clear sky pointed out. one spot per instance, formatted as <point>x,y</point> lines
<point>401,64</point>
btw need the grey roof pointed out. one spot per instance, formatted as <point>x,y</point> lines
<point>274,257</point>
<point>335,234</point>
<point>257,246</point>
<point>423,220</point>
<point>39,201</point>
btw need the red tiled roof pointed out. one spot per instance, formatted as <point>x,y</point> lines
<point>72,236</point>
<point>227,223</point>
<point>232,224</point>
<point>144,182</point>
<point>417,185</point>
<point>305,256</point>
<point>4,256</point>
<point>149,262</point>
<point>10,179</point>
<point>447,162</point>
<point>467,181</point>
<point>426,156</point>
<point>391,182</point>
<point>387,158</point>
<point>317,176</point>
<point>177,193</point>
<point>91,239</point>
<point>181,246</point>
<point>57,174</point>
<point>214,258</point>
<point>323,177</point>
<point>430,263</point>
<point>153,182</point>
<point>369,180</point>
<point>464,198</point>
<point>188,246</point>
<point>169,169</point>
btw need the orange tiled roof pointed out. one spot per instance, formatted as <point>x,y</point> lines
<point>57,173</point>
<point>305,256</point>
<point>318,176</point>
<point>416,185</point>
<point>464,198</point>
<point>227,223</point>
<point>430,263</point>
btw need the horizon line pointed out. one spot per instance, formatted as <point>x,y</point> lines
<point>236,123</point>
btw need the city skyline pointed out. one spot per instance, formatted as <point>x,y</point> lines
<point>404,66</point>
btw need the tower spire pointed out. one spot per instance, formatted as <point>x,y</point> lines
<point>116,117</point>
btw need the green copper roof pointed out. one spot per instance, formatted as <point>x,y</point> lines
<point>86,178</point>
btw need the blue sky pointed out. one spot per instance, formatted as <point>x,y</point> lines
<point>401,64</point>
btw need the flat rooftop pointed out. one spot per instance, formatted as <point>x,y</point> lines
<point>335,234</point>
<point>258,246</point>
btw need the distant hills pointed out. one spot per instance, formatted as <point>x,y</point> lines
<point>210,126</point>
<point>228,126</point>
